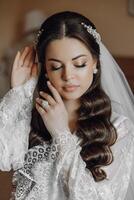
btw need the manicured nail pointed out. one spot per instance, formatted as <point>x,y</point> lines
<point>48,82</point>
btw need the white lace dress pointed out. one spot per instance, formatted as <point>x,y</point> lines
<point>46,172</point>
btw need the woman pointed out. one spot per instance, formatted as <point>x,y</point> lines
<point>80,146</point>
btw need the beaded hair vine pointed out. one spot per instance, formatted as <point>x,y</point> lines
<point>38,36</point>
<point>89,28</point>
<point>93,32</point>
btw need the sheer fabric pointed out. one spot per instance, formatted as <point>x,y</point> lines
<point>57,171</point>
<point>115,85</point>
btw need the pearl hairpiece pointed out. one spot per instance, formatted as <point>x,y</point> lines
<point>89,28</point>
<point>38,36</point>
<point>93,32</point>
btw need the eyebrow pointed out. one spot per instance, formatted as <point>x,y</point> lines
<point>53,59</point>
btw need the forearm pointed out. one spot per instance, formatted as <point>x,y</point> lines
<point>15,114</point>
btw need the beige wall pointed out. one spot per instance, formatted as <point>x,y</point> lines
<point>111,18</point>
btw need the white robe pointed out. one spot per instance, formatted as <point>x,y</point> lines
<point>46,173</point>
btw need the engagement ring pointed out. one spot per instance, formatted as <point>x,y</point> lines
<point>44,103</point>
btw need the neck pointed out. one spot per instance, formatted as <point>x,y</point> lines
<point>71,106</point>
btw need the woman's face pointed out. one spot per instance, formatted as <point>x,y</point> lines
<point>69,66</point>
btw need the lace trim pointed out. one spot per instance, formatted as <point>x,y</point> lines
<point>26,177</point>
<point>22,186</point>
<point>38,154</point>
<point>34,159</point>
<point>64,142</point>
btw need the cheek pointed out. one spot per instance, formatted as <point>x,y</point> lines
<point>87,83</point>
<point>53,77</point>
<point>55,80</point>
<point>87,78</point>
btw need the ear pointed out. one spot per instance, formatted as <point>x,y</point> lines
<point>94,64</point>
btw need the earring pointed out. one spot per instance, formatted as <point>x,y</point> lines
<point>95,71</point>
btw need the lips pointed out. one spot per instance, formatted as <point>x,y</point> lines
<point>70,88</point>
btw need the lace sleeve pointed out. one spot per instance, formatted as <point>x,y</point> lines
<point>77,180</point>
<point>15,116</point>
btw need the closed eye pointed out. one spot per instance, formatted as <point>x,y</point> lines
<point>79,66</point>
<point>83,65</point>
<point>55,68</point>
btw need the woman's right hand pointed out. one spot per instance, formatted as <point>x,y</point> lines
<point>24,67</point>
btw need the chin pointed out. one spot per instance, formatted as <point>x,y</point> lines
<point>74,95</point>
<point>71,96</point>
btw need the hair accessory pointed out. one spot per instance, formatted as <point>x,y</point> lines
<point>93,32</point>
<point>38,36</point>
<point>95,71</point>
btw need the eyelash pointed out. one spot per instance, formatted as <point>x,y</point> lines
<point>79,66</point>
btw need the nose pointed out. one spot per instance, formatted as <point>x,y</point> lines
<point>68,73</point>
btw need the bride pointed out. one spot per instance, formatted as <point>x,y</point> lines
<point>67,123</point>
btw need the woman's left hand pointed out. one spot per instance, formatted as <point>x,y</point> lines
<point>54,115</point>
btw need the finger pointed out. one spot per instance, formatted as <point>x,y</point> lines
<point>35,70</point>
<point>55,93</point>
<point>40,110</point>
<point>29,59</point>
<point>49,98</point>
<point>23,55</point>
<point>16,61</point>
<point>40,102</point>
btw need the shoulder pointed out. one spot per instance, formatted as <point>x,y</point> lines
<point>123,125</point>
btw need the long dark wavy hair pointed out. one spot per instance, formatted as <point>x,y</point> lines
<point>94,127</point>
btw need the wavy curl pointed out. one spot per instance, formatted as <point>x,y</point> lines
<point>93,125</point>
<point>96,130</point>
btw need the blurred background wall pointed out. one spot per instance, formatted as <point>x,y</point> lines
<point>111,18</point>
